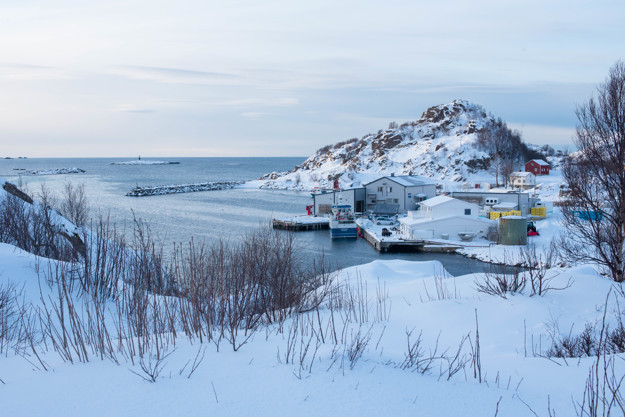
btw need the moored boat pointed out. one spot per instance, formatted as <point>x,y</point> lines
<point>342,222</point>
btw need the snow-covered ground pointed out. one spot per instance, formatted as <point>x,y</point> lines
<point>394,298</point>
<point>402,342</point>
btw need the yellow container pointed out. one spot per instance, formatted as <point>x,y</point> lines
<point>539,211</point>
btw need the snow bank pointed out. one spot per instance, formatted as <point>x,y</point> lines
<point>393,298</point>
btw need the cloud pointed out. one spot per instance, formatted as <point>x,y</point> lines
<point>131,108</point>
<point>266,102</point>
<point>27,72</point>
<point>255,115</point>
<point>174,75</point>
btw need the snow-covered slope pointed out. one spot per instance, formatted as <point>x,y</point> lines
<point>440,145</point>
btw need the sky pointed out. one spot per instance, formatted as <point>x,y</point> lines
<point>284,78</point>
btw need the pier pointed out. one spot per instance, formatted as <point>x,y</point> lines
<point>301,223</point>
<point>382,244</point>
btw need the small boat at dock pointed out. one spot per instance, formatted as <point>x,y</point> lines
<point>342,222</point>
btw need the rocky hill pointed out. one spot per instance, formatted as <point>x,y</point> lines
<point>448,143</point>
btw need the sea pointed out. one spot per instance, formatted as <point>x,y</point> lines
<point>209,215</point>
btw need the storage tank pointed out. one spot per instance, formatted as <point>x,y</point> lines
<point>512,230</point>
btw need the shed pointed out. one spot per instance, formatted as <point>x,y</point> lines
<point>457,227</point>
<point>537,167</point>
<point>443,206</point>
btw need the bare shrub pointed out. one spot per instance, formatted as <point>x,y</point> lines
<point>501,281</point>
<point>229,289</point>
<point>443,290</point>
<point>538,265</point>
<point>415,358</point>
<point>9,315</point>
<point>151,367</point>
<point>357,346</point>
<point>34,226</point>
<point>604,393</point>
<point>574,346</point>
<point>74,204</point>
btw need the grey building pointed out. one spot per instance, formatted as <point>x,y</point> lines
<point>401,192</point>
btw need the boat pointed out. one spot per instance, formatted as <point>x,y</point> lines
<point>342,222</point>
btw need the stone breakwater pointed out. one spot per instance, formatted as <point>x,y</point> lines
<point>144,162</point>
<point>182,188</point>
<point>57,171</point>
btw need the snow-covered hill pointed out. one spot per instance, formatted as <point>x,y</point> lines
<point>442,145</point>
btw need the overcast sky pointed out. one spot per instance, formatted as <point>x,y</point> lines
<point>283,78</point>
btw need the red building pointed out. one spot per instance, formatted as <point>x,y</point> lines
<point>537,167</point>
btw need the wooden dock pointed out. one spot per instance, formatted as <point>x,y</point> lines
<point>382,245</point>
<point>301,223</point>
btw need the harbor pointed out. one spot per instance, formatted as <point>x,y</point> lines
<point>374,235</point>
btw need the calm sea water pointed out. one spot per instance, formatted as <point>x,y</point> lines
<point>206,215</point>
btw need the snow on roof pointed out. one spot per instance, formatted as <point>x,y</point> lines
<point>521,174</point>
<point>406,180</point>
<point>435,201</point>
<point>420,221</point>
<point>539,162</point>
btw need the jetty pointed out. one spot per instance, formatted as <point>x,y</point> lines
<point>393,243</point>
<point>182,188</point>
<point>301,223</point>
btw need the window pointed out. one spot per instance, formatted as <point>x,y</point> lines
<point>395,200</point>
<point>379,189</point>
<point>467,212</point>
<point>390,189</point>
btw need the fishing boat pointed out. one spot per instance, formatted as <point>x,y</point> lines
<point>342,222</point>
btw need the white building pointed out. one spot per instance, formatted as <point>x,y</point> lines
<point>403,191</point>
<point>445,217</point>
<point>523,180</point>
<point>444,206</point>
<point>324,200</point>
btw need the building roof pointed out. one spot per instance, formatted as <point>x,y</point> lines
<point>521,174</point>
<point>437,201</point>
<point>422,221</point>
<point>406,180</point>
<point>539,162</point>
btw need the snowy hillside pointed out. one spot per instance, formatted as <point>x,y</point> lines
<point>441,145</point>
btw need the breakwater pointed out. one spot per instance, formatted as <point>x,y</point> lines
<point>56,171</point>
<point>182,188</point>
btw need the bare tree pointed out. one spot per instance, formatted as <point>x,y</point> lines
<point>506,169</point>
<point>496,163</point>
<point>595,215</point>
<point>74,205</point>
